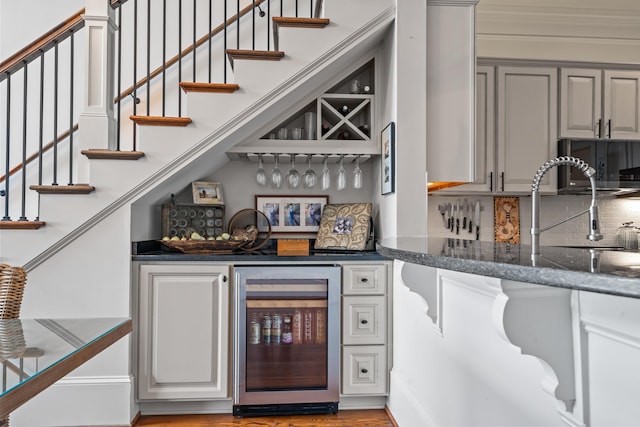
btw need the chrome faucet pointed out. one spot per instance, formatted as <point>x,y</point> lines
<point>589,172</point>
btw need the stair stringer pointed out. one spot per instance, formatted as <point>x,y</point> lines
<point>216,129</point>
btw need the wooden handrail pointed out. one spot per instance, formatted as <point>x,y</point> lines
<point>45,42</point>
<point>187,51</point>
<point>73,23</point>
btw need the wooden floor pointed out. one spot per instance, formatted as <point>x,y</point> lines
<point>365,418</point>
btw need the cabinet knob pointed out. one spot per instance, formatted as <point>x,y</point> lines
<point>364,370</point>
<point>364,321</point>
<point>224,279</point>
<point>364,280</point>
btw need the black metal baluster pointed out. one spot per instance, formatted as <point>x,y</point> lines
<point>209,37</point>
<point>280,7</point>
<point>164,53</point>
<point>238,25</point>
<point>41,130</point>
<point>23,191</point>
<point>71,52</point>
<point>118,106</point>
<point>310,8</point>
<point>148,57</point>
<point>296,8</point>
<point>179,56</point>
<point>224,47</point>
<point>268,25</point>
<point>194,41</point>
<point>253,24</point>
<point>5,193</point>
<point>135,69</point>
<point>55,115</point>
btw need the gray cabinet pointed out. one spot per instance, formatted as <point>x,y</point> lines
<point>183,331</point>
<point>598,103</point>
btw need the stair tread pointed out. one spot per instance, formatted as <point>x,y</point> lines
<point>209,87</point>
<point>160,120</point>
<point>63,189</point>
<point>285,21</point>
<point>21,225</point>
<point>98,153</point>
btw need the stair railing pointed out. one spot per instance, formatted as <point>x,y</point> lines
<point>42,85</point>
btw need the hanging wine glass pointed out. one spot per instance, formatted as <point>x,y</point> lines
<point>342,175</point>
<point>293,176</point>
<point>261,176</point>
<point>326,174</point>
<point>276,175</point>
<point>357,175</point>
<point>310,176</point>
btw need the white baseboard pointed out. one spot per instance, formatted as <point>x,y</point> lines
<point>404,407</point>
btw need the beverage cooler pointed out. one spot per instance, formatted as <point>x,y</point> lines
<point>286,339</point>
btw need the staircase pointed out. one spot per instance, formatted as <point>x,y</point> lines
<point>170,152</point>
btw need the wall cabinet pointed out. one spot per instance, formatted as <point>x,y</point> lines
<point>516,129</point>
<point>598,103</point>
<point>183,331</point>
<point>365,329</point>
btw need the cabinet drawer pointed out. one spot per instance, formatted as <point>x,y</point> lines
<point>363,320</point>
<point>364,279</point>
<point>364,369</point>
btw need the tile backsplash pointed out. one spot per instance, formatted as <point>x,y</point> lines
<point>613,212</point>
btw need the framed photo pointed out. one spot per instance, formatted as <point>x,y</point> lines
<point>387,155</point>
<point>290,214</point>
<point>207,193</point>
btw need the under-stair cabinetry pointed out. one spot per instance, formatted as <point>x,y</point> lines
<point>340,121</point>
<point>365,329</point>
<point>598,103</point>
<point>183,331</point>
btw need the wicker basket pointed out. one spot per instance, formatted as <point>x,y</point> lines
<point>12,282</point>
<point>236,220</point>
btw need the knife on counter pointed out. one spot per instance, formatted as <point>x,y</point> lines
<point>476,219</point>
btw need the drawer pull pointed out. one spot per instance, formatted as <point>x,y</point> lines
<point>364,321</point>
<point>364,370</point>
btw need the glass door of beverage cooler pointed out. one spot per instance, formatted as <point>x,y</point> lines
<point>287,335</point>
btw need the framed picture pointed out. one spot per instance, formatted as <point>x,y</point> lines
<point>290,214</point>
<point>387,156</point>
<point>207,193</point>
<point>345,226</point>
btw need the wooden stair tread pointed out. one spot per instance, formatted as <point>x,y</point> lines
<point>264,55</point>
<point>21,225</point>
<point>209,87</point>
<point>97,153</point>
<point>284,21</point>
<point>63,189</point>
<point>160,120</point>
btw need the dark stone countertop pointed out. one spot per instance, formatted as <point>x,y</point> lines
<point>152,250</point>
<point>610,272</point>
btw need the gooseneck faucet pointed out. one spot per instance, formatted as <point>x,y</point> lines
<point>589,172</point>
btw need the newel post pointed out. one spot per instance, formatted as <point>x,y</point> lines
<point>97,124</point>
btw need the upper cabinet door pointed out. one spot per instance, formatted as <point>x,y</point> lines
<point>484,152</point>
<point>581,103</point>
<point>451,66</point>
<point>527,129</point>
<point>622,104</point>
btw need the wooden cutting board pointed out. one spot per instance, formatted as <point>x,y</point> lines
<point>506,219</point>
